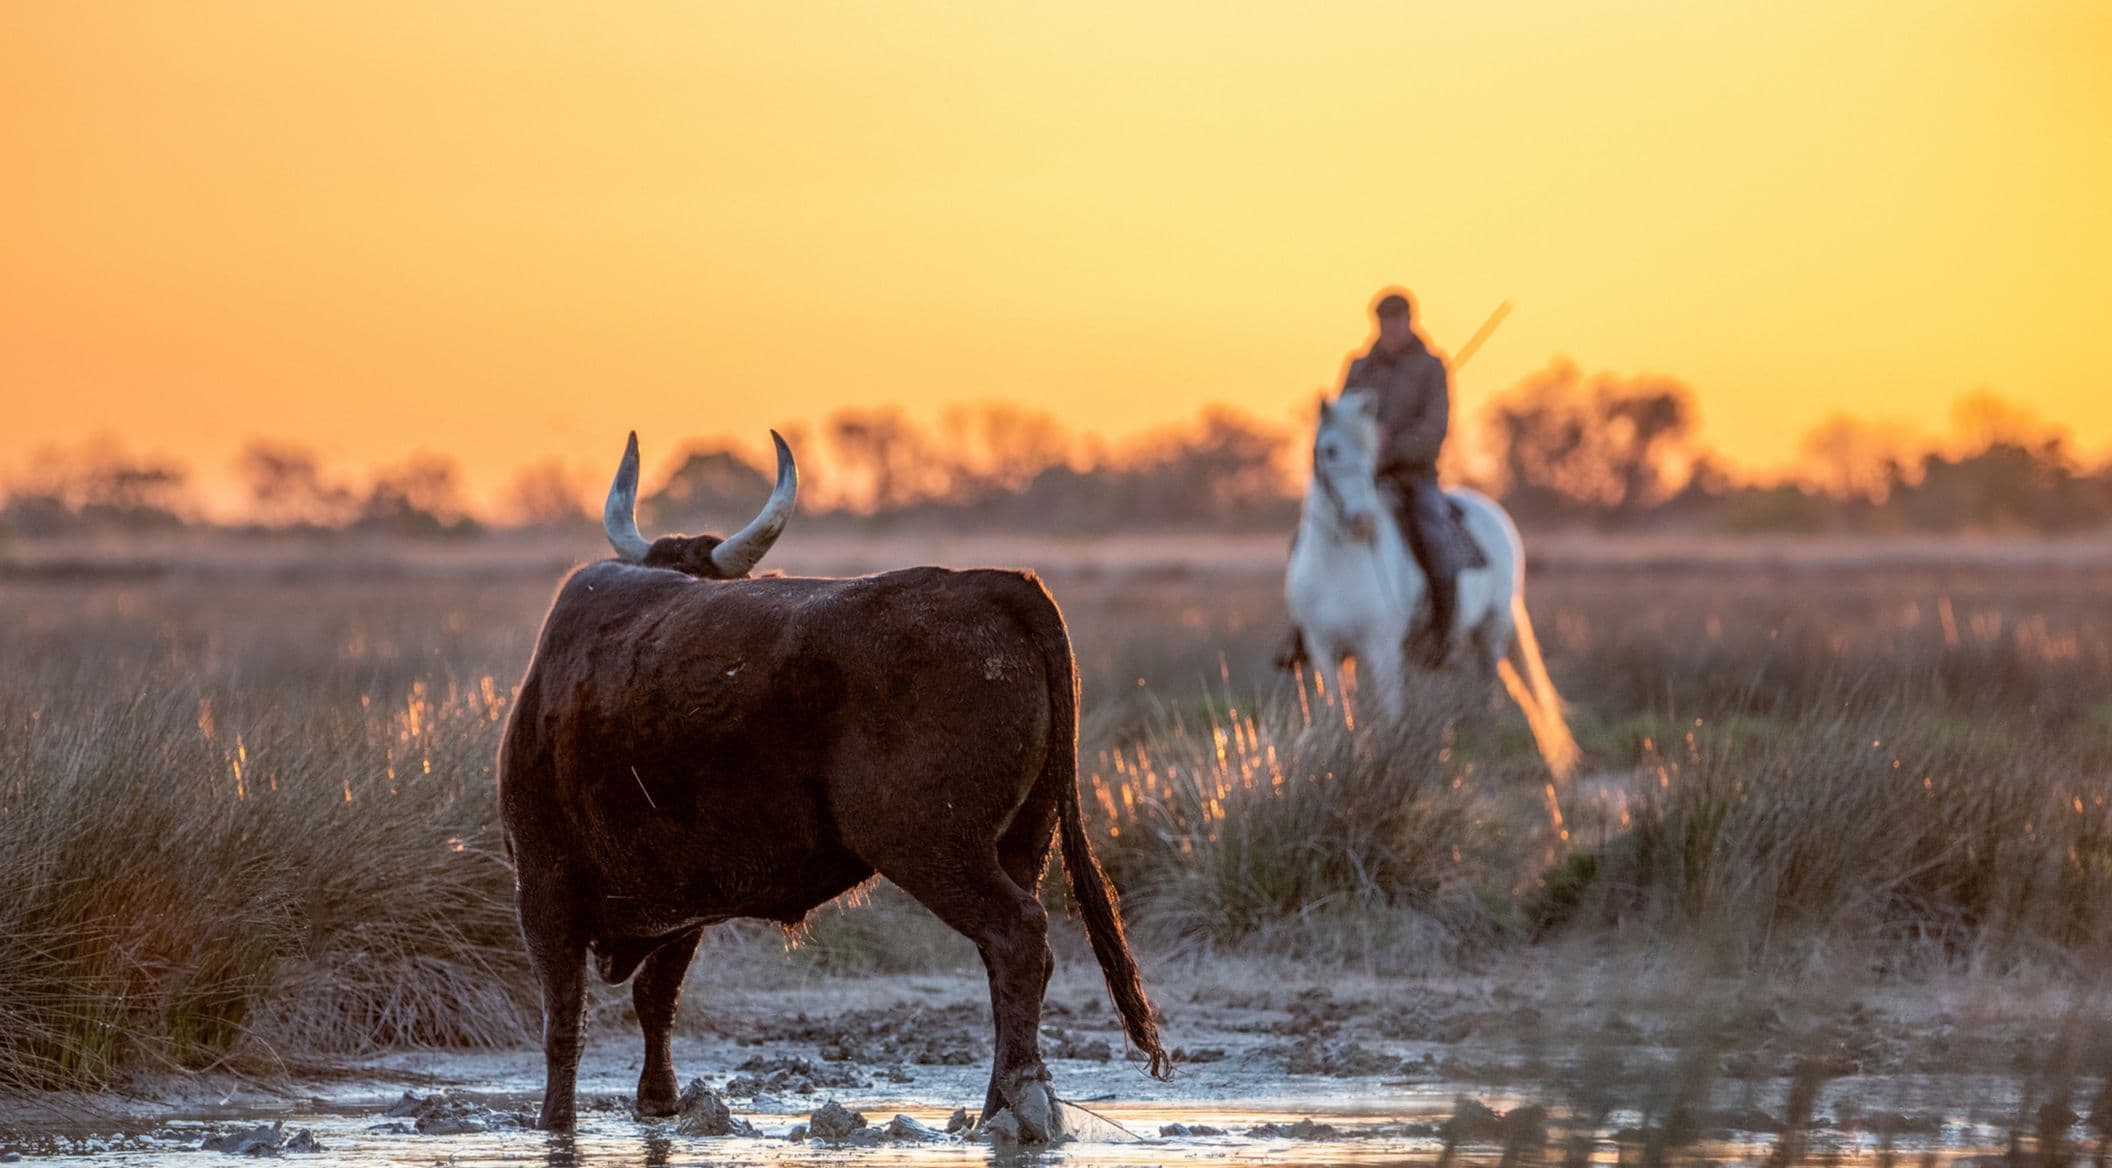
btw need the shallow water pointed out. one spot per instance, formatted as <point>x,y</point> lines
<point>1396,1118</point>
<point>1394,1124</point>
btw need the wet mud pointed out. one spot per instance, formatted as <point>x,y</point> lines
<point>1296,1075</point>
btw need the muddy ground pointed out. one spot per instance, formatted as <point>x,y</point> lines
<point>1277,1066</point>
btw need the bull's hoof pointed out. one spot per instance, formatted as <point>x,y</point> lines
<point>1030,1114</point>
<point>658,1095</point>
<point>556,1121</point>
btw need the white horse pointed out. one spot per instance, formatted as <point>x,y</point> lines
<point>1354,587</point>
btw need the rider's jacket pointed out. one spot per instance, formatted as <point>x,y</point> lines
<point>1415,405</point>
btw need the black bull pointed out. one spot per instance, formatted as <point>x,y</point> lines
<point>688,750</point>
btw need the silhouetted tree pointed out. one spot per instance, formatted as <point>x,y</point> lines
<point>885,462</point>
<point>1983,419</point>
<point>422,496</point>
<point>99,485</point>
<point>1607,450</point>
<point>713,489</point>
<point>287,489</point>
<point>2004,486</point>
<point>1225,471</point>
<point>997,446</point>
<point>546,495</point>
<point>1851,458</point>
<point>33,512</point>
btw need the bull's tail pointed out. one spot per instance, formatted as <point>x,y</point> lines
<point>1524,674</point>
<point>1103,926</point>
<point>1089,886</point>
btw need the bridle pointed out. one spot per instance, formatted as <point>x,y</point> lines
<point>1329,491</point>
<point>1337,522</point>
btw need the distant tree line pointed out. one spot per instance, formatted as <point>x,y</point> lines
<point>1610,452</point>
<point>1003,466</point>
<point>1562,449</point>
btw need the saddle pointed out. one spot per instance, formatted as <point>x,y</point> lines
<point>1464,545</point>
<point>1454,543</point>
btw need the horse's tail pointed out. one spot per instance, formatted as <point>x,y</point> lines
<point>1525,676</point>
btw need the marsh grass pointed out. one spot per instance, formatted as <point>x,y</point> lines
<point>1279,826</point>
<point>196,863</point>
<point>1925,803</point>
<point>254,822</point>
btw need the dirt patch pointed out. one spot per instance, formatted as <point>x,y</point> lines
<point>1315,1056</point>
<point>448,1114</point>
<point>791,1075</point>
<point>1057,1042</point>
<point>269,1139</point>
<point>701,1112</point>
<point>915,1034</point>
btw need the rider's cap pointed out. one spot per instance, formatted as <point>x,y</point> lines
<point>1390,305</point>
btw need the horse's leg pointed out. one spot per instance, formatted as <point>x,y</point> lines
<point>1332,673</point>
<point>1482,718</point>
<point>1491,637</point>
<point>1485,645</point>
<point>1384,674</point>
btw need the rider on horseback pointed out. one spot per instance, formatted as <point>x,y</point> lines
<point>1415,407</point>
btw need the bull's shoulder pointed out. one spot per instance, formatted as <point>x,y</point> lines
<point>611,586</point>
<point>603,577</point>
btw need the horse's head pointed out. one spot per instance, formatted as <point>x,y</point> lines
<point>1346,462</point>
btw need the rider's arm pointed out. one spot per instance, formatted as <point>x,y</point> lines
<point>1353,377</point>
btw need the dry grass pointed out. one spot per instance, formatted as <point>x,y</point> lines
<point>1283,829</point>
<point>241,817</point>
<point>207,839</point>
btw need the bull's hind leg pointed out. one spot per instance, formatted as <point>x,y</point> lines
<point>559,957</point>
<point>655,994</point>
<point>1023,852</point>
<point>984,903</point>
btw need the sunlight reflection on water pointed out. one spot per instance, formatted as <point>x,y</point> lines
<point>1392,1130</point>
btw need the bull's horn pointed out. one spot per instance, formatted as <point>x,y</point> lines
<point>619,516</point>
<point>745,548</point>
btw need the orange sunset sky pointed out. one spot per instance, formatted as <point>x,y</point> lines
<point>514,230</point>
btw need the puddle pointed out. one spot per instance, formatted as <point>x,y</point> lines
<point>1317,1123</point>
<point>1237,1106</point>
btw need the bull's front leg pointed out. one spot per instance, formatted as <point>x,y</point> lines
<point>655,994</point>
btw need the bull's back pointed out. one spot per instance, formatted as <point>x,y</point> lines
<point>700,739</point>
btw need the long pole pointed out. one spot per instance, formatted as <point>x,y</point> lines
<point>1481,334</point>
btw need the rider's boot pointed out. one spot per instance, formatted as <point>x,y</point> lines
<point>1424,516</point>
<point>1431,641</point>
